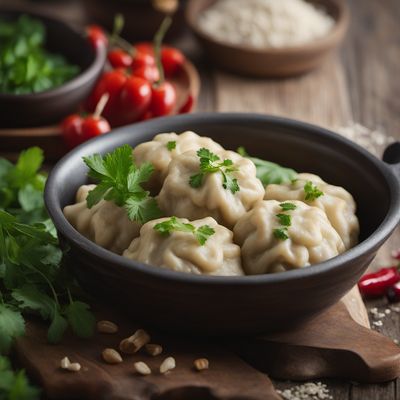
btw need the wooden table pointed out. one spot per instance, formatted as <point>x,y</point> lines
<point>360,84</point>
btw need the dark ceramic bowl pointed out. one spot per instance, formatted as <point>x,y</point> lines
<point>50,106</point>
<point>235,305</point>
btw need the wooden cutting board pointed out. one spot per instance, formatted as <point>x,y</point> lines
<point>336,344</point>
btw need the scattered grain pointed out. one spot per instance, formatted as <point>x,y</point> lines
<point>135,342</point>
<point>201,364</point>
<point>111,356</point>
<point>167,365</point>
<point>142,368</point>
<point>74,367</point>
<point>107,327</point>
<point>377,323</point>
<point>65,363</point>
<point>153,349</point>
<point>307,391</point>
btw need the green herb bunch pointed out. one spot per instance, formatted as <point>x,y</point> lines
<point>25,65</point>
<point>33,279</point>
<point>285,220</point>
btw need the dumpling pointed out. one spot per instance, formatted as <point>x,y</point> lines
<point>106,224</point>
<point>310,238</point>
<point>178,197</point>
<point>180,251</point>
<point>156,152</point>
<point>337,203</point>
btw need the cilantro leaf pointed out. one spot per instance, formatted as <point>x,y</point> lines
<point>11,326</point>
<point>269,172</point>
<point>209,164</point>
<point>281,233</point>
<point>287,206</point>
<point>120,181</point>
<point>57,327</point>
<point>171,145</point>
<point>311,191</point>
<point>174,224</point>
<point>284,219</point>
<point>80,318</point>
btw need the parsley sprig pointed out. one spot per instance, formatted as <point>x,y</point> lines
<point>285,221</point>
<point>171,145</point>
<point>201,233</point>
<point>311,191</point>
<point>210,163</point>
<point>269,172</point>
<point>120,181</point>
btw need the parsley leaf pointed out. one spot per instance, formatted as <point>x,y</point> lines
<point>171,145</point>
<point>269,172</point>
<point>210,163</point>
<point>287,206</point>
<point>120,181</point>
<point>201,233</point>
<point>11,326</point>
<point>311,191</point>
<point>80,318</point>
<point>284,219</point>
<point>281,233</point>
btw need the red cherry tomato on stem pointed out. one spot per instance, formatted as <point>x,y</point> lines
<point>148,72</point>
<point>96,35</point>
<point>120,59</point>
<point>163,99</point>
<point>172,60</point>
<point>144,47</point>
<point>142,59</point>
<point>77,129</point>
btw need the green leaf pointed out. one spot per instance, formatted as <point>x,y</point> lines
<point>284,219</point>
<point>281,233</point>
<point>196,180</point>
<point>30,198</point>
<point>97,194</point>
<point>139,175</point>
<point>171,145</point>
<point>81,319</point>
<point>30,297</point>
<point>21,389</point>
<point>203,233</point>
<point>269,172</point>
<point>311,191</point>
<point>57,327</point>
<point>28,164</point>
<point>287,206</point>
<point>11,326</point>
<point>142,210</point>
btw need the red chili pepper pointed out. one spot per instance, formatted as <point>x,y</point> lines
<point>377,283</point>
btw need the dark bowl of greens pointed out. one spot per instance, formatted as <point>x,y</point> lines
<point>46,69</point>
<point>235,304</point>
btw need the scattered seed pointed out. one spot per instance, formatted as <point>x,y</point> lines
<point>200,364</point>
<point>135,342</point>
<point>65,363</point>
<point>107,327</point>
<point>153,349</point>
<point>111,356</point>
<point>142,368</point>
<point>74,367</point>
<point>377,323</point>
<point>167,365</point>
<point>307,391</point>
<point>388,311</point>
<point>396,341</point>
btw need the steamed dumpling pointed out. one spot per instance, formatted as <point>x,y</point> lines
<point>178,198</point>
<point>312,239</point>
<point>180,251</point>
<point>106,224</point>
<point>157,153</point>
<point>337,203</point>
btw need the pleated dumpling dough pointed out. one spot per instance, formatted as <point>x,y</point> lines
<point>337,203</point>
<point>178,198</point>
<point>312,239</point>
<point>180,251</point>
<point>105,224</point>
<point>156,152</point>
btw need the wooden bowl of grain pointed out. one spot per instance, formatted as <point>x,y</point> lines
<point>271,62</point>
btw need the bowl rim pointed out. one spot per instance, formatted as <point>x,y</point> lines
<point>99,58</point>
<point>372,242</point>
<point>342,22</point>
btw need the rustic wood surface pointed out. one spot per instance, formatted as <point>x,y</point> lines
<point>360,84</point>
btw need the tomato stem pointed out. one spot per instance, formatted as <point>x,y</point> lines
<point>115,38</point>
<point>157,43</point>
<point>100,105</point>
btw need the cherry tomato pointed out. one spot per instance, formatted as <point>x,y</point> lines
<point>110,82</point>
<point>142,59</point>
<point>172,60</point>
<point>187,106</point>
<point>163,99</point>
<point>96,36</point>
<point>148,72</point>
<point>134,100</point>
<point>144,47</point>
<point>120,59</point>
<point>77,129</point>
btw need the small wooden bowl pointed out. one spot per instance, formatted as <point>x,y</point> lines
<point>271,62</point>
